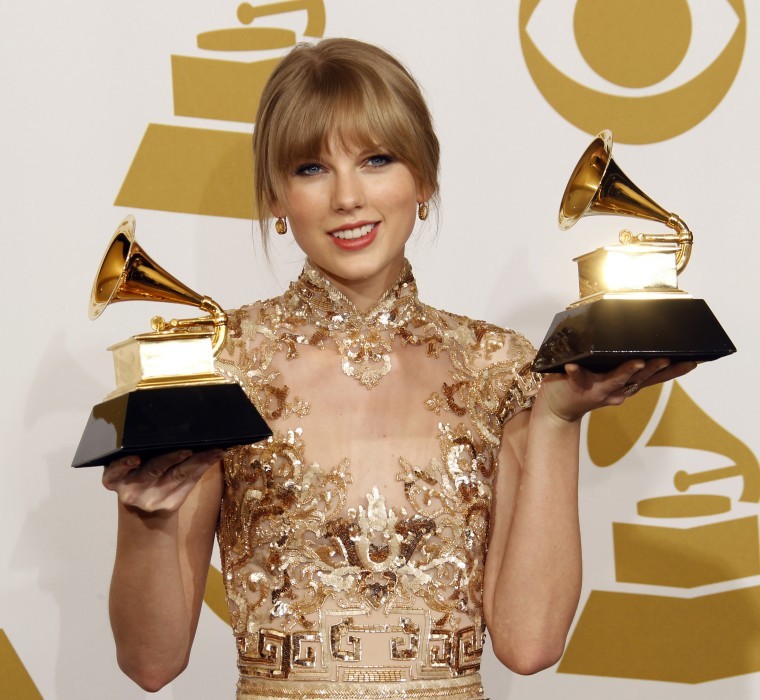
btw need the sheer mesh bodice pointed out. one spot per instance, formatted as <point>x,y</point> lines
<point>353,541</point>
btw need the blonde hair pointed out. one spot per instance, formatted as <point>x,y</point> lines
<point>346,90</point>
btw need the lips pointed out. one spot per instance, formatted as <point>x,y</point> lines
<point>349,234</point>
<point>356,236</point>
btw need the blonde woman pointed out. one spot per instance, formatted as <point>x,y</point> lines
<point>420,488</point>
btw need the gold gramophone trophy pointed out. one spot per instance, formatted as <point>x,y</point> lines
<point>168,395</point>
<point>630,305</point>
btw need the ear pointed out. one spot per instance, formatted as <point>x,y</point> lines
<point>422,195</point>
<point>423,192</point>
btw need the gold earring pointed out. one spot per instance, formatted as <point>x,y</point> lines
<point>423,211</point>
<point>281,226</point>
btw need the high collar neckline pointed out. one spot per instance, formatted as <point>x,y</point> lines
<point>395,307</point>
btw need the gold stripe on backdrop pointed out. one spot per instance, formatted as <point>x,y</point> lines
<point>15,681</point>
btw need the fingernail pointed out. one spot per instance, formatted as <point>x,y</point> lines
<point>133,461</point>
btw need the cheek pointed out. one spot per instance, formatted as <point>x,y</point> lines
<point>405,216</point>
<point>305,228</point>
<point>303,210</point>
<point>305,224</point>
<point>403,196</point>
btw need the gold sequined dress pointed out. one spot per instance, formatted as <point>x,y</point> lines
<point>353,541</point>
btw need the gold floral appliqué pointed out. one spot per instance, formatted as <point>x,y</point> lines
<point>376,598</point>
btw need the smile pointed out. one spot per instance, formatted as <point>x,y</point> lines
<point>353,233</point>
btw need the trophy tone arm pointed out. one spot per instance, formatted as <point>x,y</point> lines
<point>168,393</point>
<point>217,319</point>
<point>630,305</point>
<point>682,236</point>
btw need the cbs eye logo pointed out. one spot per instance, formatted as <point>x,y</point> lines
<point>647,69</point>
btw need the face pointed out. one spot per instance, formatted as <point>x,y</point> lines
<point>352,212</point>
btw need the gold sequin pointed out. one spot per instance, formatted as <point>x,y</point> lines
<point>366,601</point>
<point>362,688</point>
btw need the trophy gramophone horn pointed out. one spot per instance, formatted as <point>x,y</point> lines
<point>599,186</point>
<point>127,273</point>
<point>629,306</point>
<point>169,393</point>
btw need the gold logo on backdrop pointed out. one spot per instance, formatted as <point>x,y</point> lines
<point>675,638</point>
<point>634,45</point>
<point>215,596</point>
<point>15,681</point>
<point>208,171</point>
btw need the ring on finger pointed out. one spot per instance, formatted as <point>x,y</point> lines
<point>630,389</point>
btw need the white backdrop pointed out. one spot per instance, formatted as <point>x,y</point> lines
<point>80,83</point>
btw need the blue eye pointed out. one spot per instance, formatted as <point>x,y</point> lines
<point>309,169</point>
<point>379,160</point>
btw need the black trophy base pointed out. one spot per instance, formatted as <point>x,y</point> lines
<point>147,422</point>
<point>603,334</point>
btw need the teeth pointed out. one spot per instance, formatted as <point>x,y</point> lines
<point>352,233</point>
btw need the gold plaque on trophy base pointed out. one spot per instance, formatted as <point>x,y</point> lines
<point>158,359</point>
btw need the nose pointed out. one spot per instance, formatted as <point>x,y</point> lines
<point>348,193</point>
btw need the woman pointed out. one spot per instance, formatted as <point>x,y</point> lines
<point>408,441</point>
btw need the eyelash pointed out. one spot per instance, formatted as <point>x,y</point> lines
<point>306,168</point>
<point>303,169</point>
<point>380,156</point>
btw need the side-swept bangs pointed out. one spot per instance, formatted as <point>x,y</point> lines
<point>346,93</point>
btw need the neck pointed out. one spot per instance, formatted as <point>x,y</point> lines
<point>365,293</point>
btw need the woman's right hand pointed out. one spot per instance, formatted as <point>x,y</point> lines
<point>160,484</point>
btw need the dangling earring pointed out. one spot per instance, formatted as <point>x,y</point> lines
<point>423,211</point>
<point>281,226</point>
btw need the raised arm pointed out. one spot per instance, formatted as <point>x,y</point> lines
<point>533,570</point>
<point>168,510</point>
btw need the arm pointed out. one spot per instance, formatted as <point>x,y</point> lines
<point>533,570</point>
<point>168,510</point>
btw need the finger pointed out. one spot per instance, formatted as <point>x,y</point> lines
<point>669,372</point>
<point>630,369</point>
<point>157,466</point>
<point>607,382</point>
<point>174,487</point>
<point>170,490</point>
<point>657,371</point>
<point>578,376</point>
<point>623,378</point>
<point>647,370</point>
<point>194,467</point>
<point>119,468</point>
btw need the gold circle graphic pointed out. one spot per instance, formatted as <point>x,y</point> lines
<point>633,44</point>
<point>614,430</point>
<point>646,119</point>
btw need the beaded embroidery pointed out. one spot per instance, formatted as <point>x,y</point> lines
<point>324,590</point>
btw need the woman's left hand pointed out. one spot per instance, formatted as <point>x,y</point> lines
<point>569,396</point>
